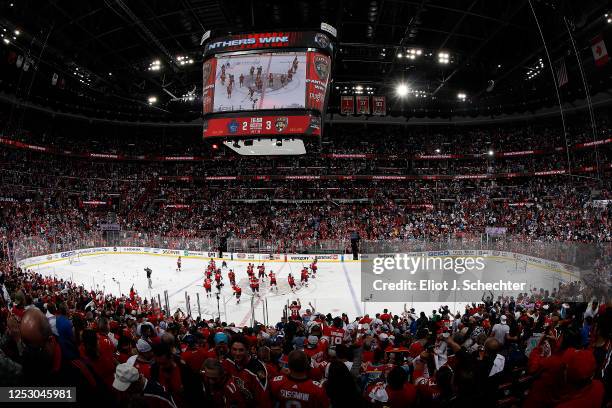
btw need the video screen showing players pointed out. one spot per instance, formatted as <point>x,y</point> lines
<point>260,81</point>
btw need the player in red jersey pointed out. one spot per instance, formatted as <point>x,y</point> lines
<point>208,273</point>
<point>178,264</point>
<point>254,283</point>
<point>241,80</point>
<point>222,78</point>
<point>232,277</point>
<point>304,277</point>
<point>261,269</point>
<point>208,286</point>
<point>291,282</point>
<point>296,389</point>
<point>229,91</point>
<point>237,293</point>
<point>295,310</point>
<point>218,277</point>
<point>314,267</point>
<point>272,276</point>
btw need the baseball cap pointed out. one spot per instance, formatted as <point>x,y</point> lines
<point>221,338</point>
<point>142,346</point>
<point>125,375</point>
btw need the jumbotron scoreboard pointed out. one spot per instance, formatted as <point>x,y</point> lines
<point>266,93</point>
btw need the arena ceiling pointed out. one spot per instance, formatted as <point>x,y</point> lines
<point>102,52</point>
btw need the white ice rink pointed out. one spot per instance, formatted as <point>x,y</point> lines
<point>336,289</point>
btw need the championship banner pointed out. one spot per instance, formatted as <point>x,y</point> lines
<point>363,105</point>
<point>347,105</point>
<point>379,105</point>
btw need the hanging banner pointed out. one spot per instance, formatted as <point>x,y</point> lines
<point>347,105</point>
<point>379,105</point>
<point>363,105</point>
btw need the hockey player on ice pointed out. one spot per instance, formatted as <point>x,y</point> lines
<point>273,284</point>
<point>208,287</point>
<point>304,277</point>
<point>237,293</point>
<point>149,272</point>
<point>178,264</point>
<point>232,277</point>
<point>241,80</point>
<point>291,281</point>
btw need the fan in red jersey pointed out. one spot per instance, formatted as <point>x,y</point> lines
<point>336,334</point>
<point>295,310</point>
<point>296,389</point>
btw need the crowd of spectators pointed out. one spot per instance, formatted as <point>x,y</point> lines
<point>532,351</point>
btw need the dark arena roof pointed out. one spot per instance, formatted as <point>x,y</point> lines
<point>103,52</point>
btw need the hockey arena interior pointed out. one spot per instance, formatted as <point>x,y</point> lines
<point>296,203</point>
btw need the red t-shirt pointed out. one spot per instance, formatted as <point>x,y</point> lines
<point>590,396</point>
<point>289,392</point>
<point>195,358</point>
<point>405,397</point>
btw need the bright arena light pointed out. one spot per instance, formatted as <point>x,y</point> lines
<point>402,89</point>
<point>490,152</point>
<point>461,96</point>
<point>152,100</point>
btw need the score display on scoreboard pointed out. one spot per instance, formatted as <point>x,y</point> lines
<point>266,84</point>
<point>276,125</point>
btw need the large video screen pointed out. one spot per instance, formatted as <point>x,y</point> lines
<point>265,81</point>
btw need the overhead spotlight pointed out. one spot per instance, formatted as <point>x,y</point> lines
<point>215,146</point>
<point>399,55</point>
<point>17,32</point>
<point>110,74</point>
<point>359,87</point>
<point>437,150</point>
<point>402,90</point>
<point>6,40</point>
<point>461,96</point>
<point>152,100</point>
<point>490,152</point>
<point>419,52</point>
<point>443,57</point>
